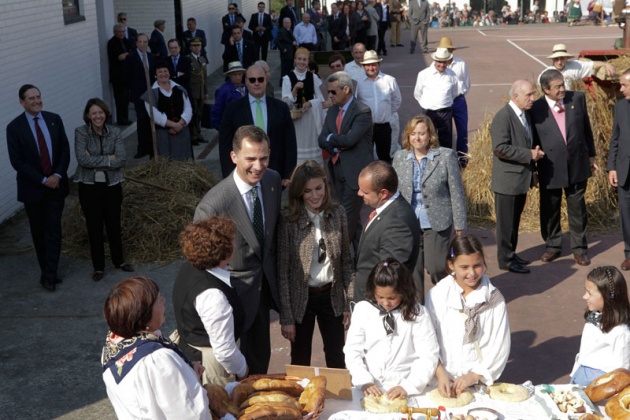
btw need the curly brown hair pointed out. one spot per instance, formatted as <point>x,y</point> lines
<point>207,242</point>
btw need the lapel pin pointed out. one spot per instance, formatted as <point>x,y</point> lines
<point>272,189</point>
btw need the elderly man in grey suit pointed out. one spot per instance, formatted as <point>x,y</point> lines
<point>251,197</point>
<point>347,137</point>
<point>618,158</point>
<point>512,171</point>
<point>563,131</point>
<point>392,229</point>
<point>420,17</point>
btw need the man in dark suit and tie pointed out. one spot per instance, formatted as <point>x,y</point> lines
<point>285,41</point>
<point>40,154</point>
<point>337,28</point>
<point>261,26</point>
<point>562,129</point>
<point>512,171</point>
<point>347,137</point>
<point>118,48</point>
<point>239,49</point>
<point>179,66</point>
<point>251,196</point>
<point>193,33</point>
<point>130,33</point>
<point>618,158</point>
<point>392,230</point>
<point>289,11</point>
<point>270,114</point>
<point>157,43</point>
<point>228,22</point>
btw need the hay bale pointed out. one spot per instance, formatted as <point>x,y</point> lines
<point>159,200</point>
<point>600,197</point>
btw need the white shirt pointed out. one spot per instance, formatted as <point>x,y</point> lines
<point>573,71</point>
<point>263,106</point>
<point>244,189</point>
<point>382,95</point>
<point>354,70</point>
<point>435,90</point>
<point>604,351</point>
<point>460,69</point>
<point>380,209</point>
<point>305,34</point>
<point>287,91</point>
<point>320,273</point>
<point>161,117</point>
<point>407,358</point>
<point>160,386</point>
<point>445,305</point>
<point>216,312</point>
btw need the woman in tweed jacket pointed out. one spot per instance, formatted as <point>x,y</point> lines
<point>314,267</point>
<point>100,152</point>
<point>430,180</point>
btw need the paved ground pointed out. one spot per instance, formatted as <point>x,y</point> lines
<point>49,354</point>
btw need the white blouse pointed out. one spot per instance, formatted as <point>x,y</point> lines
<point>489,354</point>
<point>287,91</point>
<point>160,117</point>
<point>406,358</point>
<point>604,351</point>
<point>160,386</point>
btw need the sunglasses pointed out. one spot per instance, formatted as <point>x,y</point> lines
<point>123,19</point>
<point>322,251</point>
<point>253,80</point>
<point>231,8</point>
<point>332,92</point>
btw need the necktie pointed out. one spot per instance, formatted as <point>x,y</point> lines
<point>526,125</point>
<point>260,19</point>
<point>175,64</point>
<point>232,20</point>
<point>44,156</point>
<point>370,217</point>
<point>559,107</point>
<point>388,318</point>
<point>240,51</point>
<point>260,122</point>
<point>338,122</point>
<point>258,218</point>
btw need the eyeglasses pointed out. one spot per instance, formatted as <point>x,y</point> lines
<point>322,251</point>
<point>332,92</point>
<point>253,80</point>
<point>231,8</point>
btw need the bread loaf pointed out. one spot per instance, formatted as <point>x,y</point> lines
<point>289,387</point>
<point>608,385</point>
<point>269,396</point>
<point>241,392</point>
<point>264,412</point>
<point>314,394</point>
<point>219,401</point>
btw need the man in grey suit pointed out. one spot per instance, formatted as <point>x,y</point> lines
<point>392,230</point>
<point>512,171</point>
<point>420,17</point>
<point>618,158</point>
<point>347,137</point>
<point>563,132</point>
<point>251,195</point>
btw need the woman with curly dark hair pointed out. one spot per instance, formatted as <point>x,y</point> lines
<point>207,309</point>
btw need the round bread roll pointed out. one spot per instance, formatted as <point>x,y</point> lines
<point>504,391</point>
<point>591,416</point>
<point>618,407</point>
<point>464,398</point>
<point>608,385</point>
<point>382,404</point>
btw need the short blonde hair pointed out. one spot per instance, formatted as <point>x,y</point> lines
<point>411,125</point>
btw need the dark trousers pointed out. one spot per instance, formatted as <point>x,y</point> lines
<point>44,219</point>
<point>121,99</point>
<point>195,123</point>
<point>348,198</point>
<point>371,43</point>
<point>145,142</point>
<point>286,65</point>
<point>550,203</point>
<point>101,206</point>
<point>309,46</point>
<point>508,210</point>
<point>339,46</point>
<point>382,29</point>
<point>443,121</point>
<point>256,341</point>
<point>382,135</point>
<point>623,193</point>
<point>460,115</point>
<point>330,326</point>
<point>262,45</point>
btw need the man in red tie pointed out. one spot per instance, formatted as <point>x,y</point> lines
<point>563,131</point>
<point>347,137</point>
<point>40,154</point>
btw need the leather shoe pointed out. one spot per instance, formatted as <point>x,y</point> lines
<point>392,45</point>
<point>139,155</point>
<point>549,256</point>
<point>582,259</point>
<point>625,265</point>
<point>126,267</point>
<point>399,45</point>
<point>520,261</point>
<point>97,276</point>
<point>516,268</point>
<point>50,286</point>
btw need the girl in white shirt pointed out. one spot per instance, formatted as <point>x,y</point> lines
<point>391,345</point>
<point>470,320</point>
<point>605,344</point>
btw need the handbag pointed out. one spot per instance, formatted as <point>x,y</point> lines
<point>206,121</point>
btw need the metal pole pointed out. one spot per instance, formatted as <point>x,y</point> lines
<point>145,64</point>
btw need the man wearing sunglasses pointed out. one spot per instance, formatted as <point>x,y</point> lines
<point>228,21</point>
<point>270,114</point>
<point>130,33</point>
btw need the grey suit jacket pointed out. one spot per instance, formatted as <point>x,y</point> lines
<point>512,167</point>
<point>395,233</point>
<point>419,13</point>
<point>249,261</point>
<point>555,170</point>
<point>442,189</point>
<point>354,142</point>
<point>619,151</point>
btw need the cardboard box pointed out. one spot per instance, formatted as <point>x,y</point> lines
<point>338,383</point>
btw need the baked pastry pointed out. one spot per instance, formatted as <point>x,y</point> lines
<point>382,404</point>
<point>463,399</point>
<point>269,396</point>
<point>289,387</point>
<point>591,416</point>
<point>219,401</point>
<point>241,392</point>
<point>504,391</point>
<point>264,411</point>
<point>618,407</point>
<point>608,385</point>
<point>314,394</point>
<point>568,402</point>
<point>266,404</point>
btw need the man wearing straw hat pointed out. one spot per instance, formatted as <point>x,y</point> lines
<point>460,108</point>
<point>574,70</point>
<point>229,91</point>
<point>436,88</point>
<point>380,92</point>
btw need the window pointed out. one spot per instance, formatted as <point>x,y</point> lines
<point>71,12</point>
